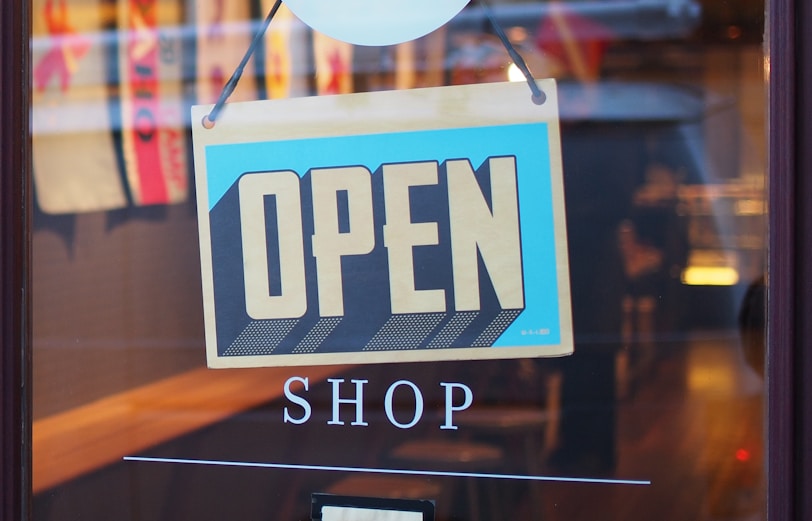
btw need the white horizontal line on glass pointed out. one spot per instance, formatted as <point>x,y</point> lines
<point>290,466</point>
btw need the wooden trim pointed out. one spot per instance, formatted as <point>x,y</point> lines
<point>14,261</point>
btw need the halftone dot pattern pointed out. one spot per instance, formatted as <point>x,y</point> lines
<point>316,335</point>
<point>261,337</point>
<point>496,328</point>
<point>452,330</point>
<point>404,332</point>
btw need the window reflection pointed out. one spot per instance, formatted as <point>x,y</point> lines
<point>662,118</point>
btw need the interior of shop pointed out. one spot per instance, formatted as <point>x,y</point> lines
<point>662,117</point>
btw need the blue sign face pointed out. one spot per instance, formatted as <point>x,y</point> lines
<point>433,244</point>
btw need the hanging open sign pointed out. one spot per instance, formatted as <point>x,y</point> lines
<point>399,226</point>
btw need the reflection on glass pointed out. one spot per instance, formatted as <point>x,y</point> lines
<point>662,121</point>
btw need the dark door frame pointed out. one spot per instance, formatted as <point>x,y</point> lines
<point>789,307</point>
<point>15,452</point>
<point>789,365</point>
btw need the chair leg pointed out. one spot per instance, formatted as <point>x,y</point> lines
<point>473,500</point>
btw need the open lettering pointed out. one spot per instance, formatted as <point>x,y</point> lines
<point>482,230</point>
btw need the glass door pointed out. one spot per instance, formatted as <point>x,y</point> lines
<point>657,414</point>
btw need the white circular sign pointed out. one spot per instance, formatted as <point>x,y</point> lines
<point>375,22</point>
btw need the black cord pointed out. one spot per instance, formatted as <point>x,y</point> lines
<point>231,84</point>
<point>208,121</point>
<point>538,95</point>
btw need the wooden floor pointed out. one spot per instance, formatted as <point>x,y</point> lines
<point>694,428</point>
<point>692,425</point>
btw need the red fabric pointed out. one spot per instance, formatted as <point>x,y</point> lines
<point>591,39</point>
<point>145,106</point>
<point>67,48</point>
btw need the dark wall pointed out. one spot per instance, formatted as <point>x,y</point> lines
<point>117,302</point>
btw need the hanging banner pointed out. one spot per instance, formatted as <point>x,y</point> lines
<point>150,65</point>
<point>422,62</point>
<point>435,52</point>
<point>224,32</point>
<point>573,45</point>
<point>394,226</point>
<point>74,155</point>
<point>333,60</point>
<point>286,54</point>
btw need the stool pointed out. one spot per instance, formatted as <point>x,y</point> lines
<point>524,421</point>
<point>527,422</point>
<point>460,456</point>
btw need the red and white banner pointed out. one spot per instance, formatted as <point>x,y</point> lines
<point>224,33</point>
<point>286,53</point>
<point>74,155</point>
<point>152,113</point>
<point>574,45</point>
<point>333,60</point>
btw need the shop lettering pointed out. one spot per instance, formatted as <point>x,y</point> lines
<point>480,228</point>
<point>354,398</point>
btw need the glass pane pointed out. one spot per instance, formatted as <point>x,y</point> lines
<point>657,414</point>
